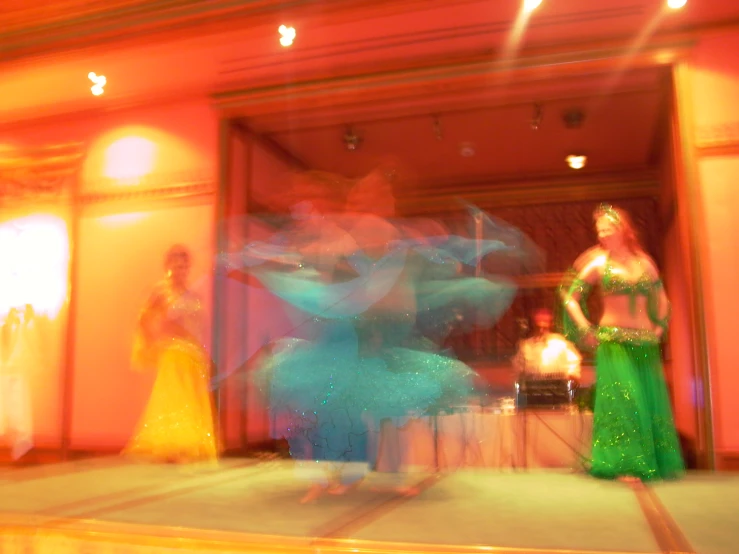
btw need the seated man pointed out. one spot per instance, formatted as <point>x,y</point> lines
<point>547,355</point>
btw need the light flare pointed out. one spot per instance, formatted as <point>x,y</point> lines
<point>287,35</point>
<point>99,82</point>
<point>35,254</point>
<point>676,4</point>
<point>531,5</point>
<point>576,161</point>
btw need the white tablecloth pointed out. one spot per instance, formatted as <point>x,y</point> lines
<point>476,438</point>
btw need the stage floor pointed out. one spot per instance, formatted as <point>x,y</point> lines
<point>250,505</point>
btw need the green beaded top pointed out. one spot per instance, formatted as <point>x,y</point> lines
<point>573,286</point>
<point>615,285</point>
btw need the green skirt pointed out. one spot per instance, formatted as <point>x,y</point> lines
<point>633,430</point>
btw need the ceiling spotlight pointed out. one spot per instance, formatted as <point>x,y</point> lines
<point>352,140</point>
<point>98,82</point>
<point>676,4</point>
<point>576,161</point>
<point>287,35</point>
<point>531,5</point>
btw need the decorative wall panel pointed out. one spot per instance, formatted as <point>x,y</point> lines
<point>562,231</point>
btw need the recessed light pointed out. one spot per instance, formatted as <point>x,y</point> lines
<point>98,81</point>
<point>531,5</point>
<point>576,161</point>
<point>676,4</point>
<point>287,35</point>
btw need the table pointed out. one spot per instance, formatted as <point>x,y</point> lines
<point>475,437</point>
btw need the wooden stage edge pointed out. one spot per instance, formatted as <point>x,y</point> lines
<point>41,535</point>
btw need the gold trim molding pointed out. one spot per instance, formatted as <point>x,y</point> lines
<point>728,460</point>
<point>579,188</point>
<point>172,192</point>
<point>721,139</point>
<point>38,174</point>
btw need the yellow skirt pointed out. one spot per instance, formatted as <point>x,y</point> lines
<point>177,425</point>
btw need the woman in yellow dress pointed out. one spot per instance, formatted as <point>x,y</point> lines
<point>177,425</point>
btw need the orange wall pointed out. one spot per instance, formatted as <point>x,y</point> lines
<point>234,392</point>
<point>714,79</point>
<point>121,247</point>
<point>679,350</point>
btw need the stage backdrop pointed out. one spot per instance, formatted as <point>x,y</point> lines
<point>562,231</point>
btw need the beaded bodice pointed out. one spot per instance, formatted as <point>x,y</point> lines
<point>182,313</point>
<point>614,284</point>
<point>617,285</point>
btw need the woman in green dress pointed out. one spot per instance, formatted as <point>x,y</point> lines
<point>634,436</point>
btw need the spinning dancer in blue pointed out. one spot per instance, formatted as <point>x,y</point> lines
<point>376,288</point>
